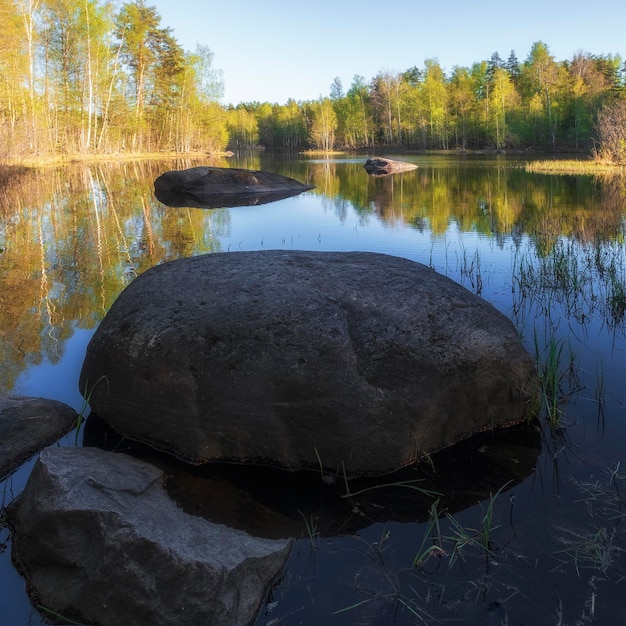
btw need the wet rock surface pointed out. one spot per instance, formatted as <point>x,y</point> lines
<point>99,541</point>
<point>357,362</point>
<point>28,425</point>
<point>212,187</point>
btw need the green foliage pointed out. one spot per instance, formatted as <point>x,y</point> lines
<point>117,80</point>
<point>496,104</point>
<point>323,124</point>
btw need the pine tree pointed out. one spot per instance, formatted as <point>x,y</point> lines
<point>512,66</point>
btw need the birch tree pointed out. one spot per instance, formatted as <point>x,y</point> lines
<point>13,75</point>
<point>28,10</point>
<point>503,97</point>
<point>323,124</point>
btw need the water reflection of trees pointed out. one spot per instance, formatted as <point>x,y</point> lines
<point>487,200</point>
<point>71,239</point>
<point>568,230</point>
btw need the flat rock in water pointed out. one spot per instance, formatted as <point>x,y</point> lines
<point>211,187</point>
<point>28,425</point>
<point>355,361</point>
<point>99,541</point>
<point>379,166</point>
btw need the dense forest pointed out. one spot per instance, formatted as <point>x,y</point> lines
<point>94,77</point>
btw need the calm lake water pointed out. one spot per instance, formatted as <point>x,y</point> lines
<point>528,526</point>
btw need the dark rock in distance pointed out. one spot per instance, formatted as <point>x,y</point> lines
<point>379,166</point>
<point>99,541</point>
<point>28,425</point>
<point>356,361</point>
<point>212,187</point>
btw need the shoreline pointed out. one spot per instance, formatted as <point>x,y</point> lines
<point>587,166</point>
<point>30,162</point>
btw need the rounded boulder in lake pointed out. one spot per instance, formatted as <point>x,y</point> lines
<point>357,361</point>
<point>209,187</point>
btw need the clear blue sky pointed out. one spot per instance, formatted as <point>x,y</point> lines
<point>271,50</point>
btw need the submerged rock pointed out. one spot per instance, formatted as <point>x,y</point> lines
<point>359,362</point>
<point>29,424</point>
<point>380,166</point>
<point>211,187</point>
<point>99,540</point>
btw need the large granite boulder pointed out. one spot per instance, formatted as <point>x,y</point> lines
<point>358,362</point>
<point>380,166</point>
<point>29,424</point>
<point>99,541</point>
<point>211,187</point>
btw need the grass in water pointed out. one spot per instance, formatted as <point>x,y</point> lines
<point>558,378</point>
<point>392,590</point>
<point>461,537</point>
<point>311,529</point>
<point>432,535</point>
<point>588,167</point>
<point>598,547</point>
<point>595,550</point>
<point>408,484</point>
<point>617,294</point>
<point>82,414</point>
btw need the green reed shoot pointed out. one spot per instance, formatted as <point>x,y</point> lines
<point>311,529</point>
<point>553,372</point>
<point>80,420</point>
<point>432,534</point>
<point>617,294</point>
<point>55,615</point>
<point>480,538</point>
<point>600,396</point>
<point>487,526</point>
<point>408,484</point>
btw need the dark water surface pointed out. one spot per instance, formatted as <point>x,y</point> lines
<point>527,526</point>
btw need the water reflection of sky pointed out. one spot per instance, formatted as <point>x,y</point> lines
<point>58,381</point>
<point>309,222</point>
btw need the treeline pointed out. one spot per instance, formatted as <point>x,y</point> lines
<point>89,76</point>
<point>495,104</point>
